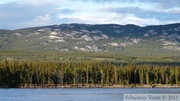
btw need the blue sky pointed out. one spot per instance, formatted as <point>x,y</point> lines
<point>16,14</point>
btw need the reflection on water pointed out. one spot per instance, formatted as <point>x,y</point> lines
<point>79,94</point>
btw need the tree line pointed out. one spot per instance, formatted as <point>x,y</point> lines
<point>16,73</point>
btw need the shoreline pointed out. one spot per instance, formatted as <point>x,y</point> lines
<point>94,86</point>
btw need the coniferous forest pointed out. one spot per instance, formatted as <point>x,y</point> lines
<point>20,73</point>
<point>88,69</point>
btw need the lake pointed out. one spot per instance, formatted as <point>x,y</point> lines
<point>78,94</point>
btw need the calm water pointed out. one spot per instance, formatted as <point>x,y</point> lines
<point>79,94</point>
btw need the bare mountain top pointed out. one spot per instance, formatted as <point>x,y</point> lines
<point>96,38</point>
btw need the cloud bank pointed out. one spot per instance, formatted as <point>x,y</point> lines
<point>30,13</point>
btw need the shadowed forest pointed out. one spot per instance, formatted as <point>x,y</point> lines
<point>84,69</point>
<point>15,73</point>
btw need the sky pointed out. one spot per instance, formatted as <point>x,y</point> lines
<point>15,14</point>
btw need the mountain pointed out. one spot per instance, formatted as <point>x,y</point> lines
<point>95,38</point>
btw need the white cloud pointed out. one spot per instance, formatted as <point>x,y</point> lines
<point>7,1</point>
<point>28,13</point>
<point>41,3</point>
<point>112,19</point>
<point>43,19</point>
<point>87,18</point>
<point>139,21</point>
<point>174,10</point>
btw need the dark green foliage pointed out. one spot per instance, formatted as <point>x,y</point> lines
<point>16,73</point>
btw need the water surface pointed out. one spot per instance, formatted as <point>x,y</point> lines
<point>78,94</point>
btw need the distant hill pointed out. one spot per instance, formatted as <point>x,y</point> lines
<point>95,38</point>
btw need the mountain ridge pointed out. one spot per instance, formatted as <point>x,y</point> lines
<point>96,38</point>
<point>89,24</point>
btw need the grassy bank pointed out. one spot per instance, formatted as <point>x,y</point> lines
<point>97,86</point>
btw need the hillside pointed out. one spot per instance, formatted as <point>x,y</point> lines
<point>94,38</point>
<point>82,55</point>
